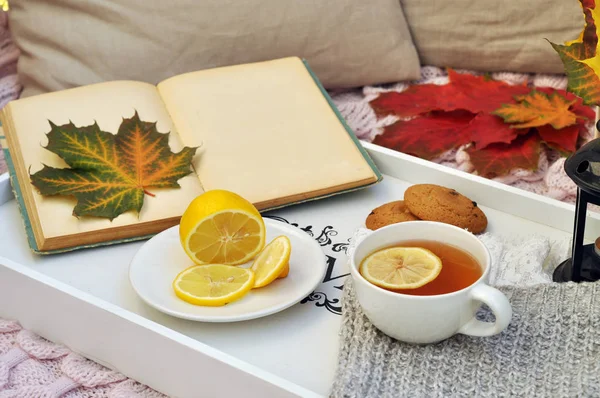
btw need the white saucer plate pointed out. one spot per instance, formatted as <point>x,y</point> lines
<point>159,260</point>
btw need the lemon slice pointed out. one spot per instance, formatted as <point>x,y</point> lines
<point>271,263</point>
<point>213,285</point>
<point>221,227</point>
<point>401,267</point>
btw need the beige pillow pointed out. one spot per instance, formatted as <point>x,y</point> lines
<point>493,35</point>
<point>67,43</point>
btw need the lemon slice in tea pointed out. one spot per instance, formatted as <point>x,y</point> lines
<point>401,267</point>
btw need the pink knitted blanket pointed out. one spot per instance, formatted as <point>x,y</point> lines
<point>32,367</point>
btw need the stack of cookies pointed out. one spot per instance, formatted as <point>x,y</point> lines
<point>432,203</point>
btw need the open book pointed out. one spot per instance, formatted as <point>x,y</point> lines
<point>267,131</point>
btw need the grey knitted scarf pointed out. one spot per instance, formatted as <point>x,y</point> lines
<point>550,349</point>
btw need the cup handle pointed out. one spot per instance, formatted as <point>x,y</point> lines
<point>499,305</point>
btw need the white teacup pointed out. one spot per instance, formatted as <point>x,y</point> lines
<point>429,319</point>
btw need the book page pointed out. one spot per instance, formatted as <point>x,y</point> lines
<point>266,130</point>
<point>107,104</point>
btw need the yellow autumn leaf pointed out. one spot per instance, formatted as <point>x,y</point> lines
<point>538,109</point>
<point>580,57</point>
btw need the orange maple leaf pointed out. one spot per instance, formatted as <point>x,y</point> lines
<point>538,109</point>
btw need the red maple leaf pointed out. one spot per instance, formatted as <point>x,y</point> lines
<point>481,93</point>
<point>562,140</point>
<point>428,137</point>
<point>499,159</point>
<point>467,92</point>
<point>486,129</point>
<point>415,100</point>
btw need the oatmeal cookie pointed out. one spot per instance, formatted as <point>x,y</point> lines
<point>389,213</point>
<point>437,203</point>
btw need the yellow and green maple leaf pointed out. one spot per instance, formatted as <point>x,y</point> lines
<point>109,174</point>
<point>537,109</point>
<point>581,59</point>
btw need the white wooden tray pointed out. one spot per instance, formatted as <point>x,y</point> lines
<point>83,299</point>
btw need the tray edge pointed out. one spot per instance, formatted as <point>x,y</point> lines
<point>60,306</point>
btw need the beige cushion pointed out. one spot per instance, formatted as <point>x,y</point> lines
<point>493,35</point>
<point>67,43</point>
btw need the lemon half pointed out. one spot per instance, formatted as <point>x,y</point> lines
<point>221,227</point>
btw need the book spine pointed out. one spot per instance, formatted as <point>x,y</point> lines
<point>20,204</point>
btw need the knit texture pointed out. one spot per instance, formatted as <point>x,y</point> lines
<point>550,349</point>
<point>32,367</point>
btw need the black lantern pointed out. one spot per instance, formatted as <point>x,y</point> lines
<point>583,167</point>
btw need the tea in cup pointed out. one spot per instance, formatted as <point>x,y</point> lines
<point>443,306</point>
